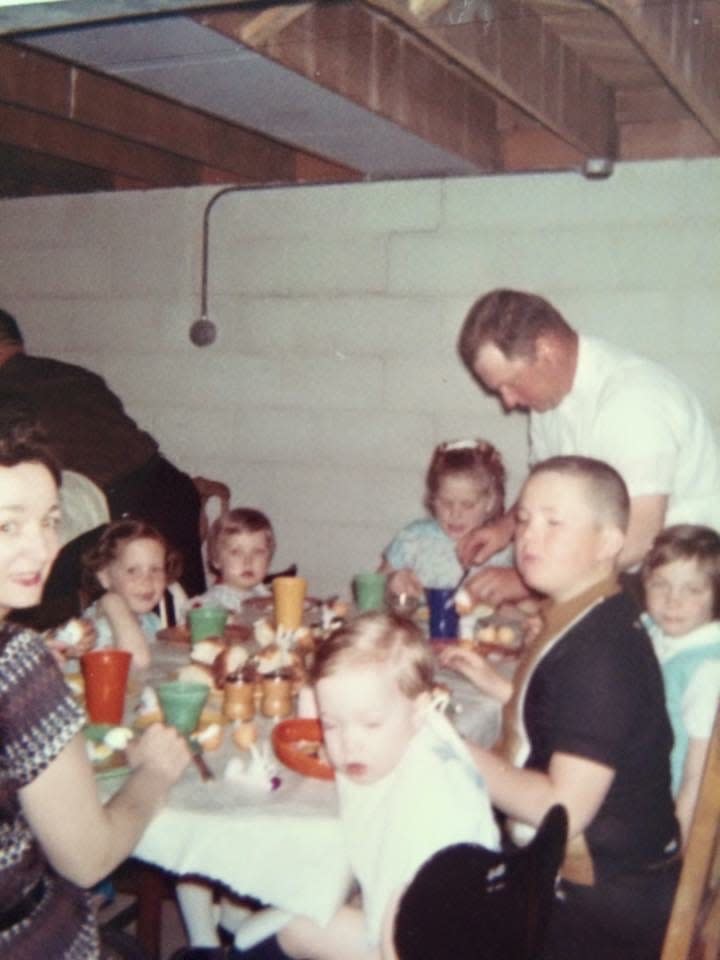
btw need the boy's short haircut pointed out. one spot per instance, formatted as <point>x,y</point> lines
<point>608,494</point>
<point>688,541</point>
<point>379,638</point>
<point>239,520</point>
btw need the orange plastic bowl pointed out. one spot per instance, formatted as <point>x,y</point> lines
<point>286,737</point>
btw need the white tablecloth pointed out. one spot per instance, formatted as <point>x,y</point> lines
<point>285,847</point>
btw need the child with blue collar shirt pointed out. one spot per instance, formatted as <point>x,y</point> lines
<point>241,544</point>
<point>464,489</point>
<point>681,580</point>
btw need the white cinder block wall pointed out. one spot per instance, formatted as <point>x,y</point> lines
<point>334,372</point>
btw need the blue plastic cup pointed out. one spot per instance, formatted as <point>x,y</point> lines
<point>443,615</point>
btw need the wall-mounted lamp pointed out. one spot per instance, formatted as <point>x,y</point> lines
<point>203,331</point>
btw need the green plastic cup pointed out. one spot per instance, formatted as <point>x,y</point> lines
<point>370,591</point>
<point>206,622</point>
<point>182,703</point>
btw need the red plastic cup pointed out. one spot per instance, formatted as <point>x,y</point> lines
<point>105,673</point>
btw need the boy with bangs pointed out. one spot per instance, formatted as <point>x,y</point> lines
<point>586,724</point>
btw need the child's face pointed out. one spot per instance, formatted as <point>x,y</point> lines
<point>243,559</point>
<point>367,720</point>
<point>560,546</point>
<point>679,596</point>
<point>460,504</point>
<point>137,574</point>
<point>29,519</point>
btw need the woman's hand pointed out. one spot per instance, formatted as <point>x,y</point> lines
<point>477,670</point>
<point>71,640</point>
<point>162,751</point>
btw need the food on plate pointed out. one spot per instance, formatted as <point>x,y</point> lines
<point>117,738</point>
<point>244,734</point>
<point>305,639</point>
<point>264,632</point>
<point>230,663</point>
<point>465,604</point>
<point>206,651</point>
<point>288,735</point>
<point>106,745</point>
<point>98,752</point>
<point>212,662</point>
<point>312,748</point>
<point>505,635</point>
<point>199,673</point>
<point>210,737</point>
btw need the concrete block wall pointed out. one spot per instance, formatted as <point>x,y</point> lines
<point>334,372</point>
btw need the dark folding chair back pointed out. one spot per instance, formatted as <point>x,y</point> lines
<point>470,903</point>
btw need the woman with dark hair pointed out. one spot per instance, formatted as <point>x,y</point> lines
<point>56,836</point>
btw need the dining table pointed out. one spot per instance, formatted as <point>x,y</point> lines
<point>281,845</point>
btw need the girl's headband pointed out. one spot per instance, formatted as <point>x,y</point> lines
<point>458,445</point>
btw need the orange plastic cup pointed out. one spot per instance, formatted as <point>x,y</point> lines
<point>289,596</point>
<point>105,673</point>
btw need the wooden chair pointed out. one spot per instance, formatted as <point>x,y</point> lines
<point>214,502</point>
<point>693,932</point>
<point>470,903</point>
<point>149,886</point>
<point>210,491</point>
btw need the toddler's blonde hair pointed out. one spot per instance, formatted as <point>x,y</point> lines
<point>379,638</point>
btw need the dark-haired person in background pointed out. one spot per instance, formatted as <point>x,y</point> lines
<point>90,433</point>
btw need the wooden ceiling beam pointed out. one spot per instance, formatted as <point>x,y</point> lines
<point>682,42</point>
<point>64,139</point>
<point>521,59</point>
<point>367,59</point>
<point>136,120</point>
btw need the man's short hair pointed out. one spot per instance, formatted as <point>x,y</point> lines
<point>9,330</point>
<point>608,495</point>
<point>512,321</point>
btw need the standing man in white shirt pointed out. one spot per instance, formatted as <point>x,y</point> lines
<point>589,397</point>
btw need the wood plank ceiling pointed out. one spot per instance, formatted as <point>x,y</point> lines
<point>375,88</point>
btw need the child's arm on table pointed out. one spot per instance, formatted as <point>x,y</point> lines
<point>477,670</point>
<point>126,630</point>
